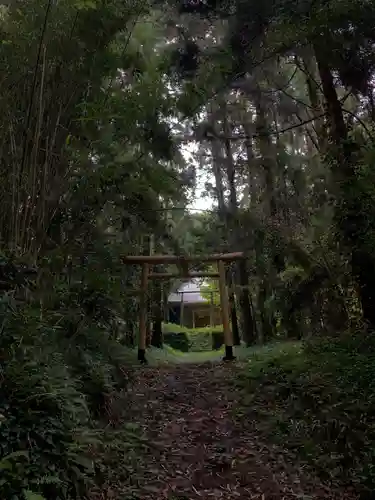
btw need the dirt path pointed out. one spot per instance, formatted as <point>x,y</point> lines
<point>199,451</point>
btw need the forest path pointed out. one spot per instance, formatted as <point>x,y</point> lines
<point>199,449</point>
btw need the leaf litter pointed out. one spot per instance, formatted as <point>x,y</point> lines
<point>196,448</point>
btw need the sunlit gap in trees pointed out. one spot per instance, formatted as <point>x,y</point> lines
<point>200,197</point>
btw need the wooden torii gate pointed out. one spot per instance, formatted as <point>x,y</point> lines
<point>149,260</point>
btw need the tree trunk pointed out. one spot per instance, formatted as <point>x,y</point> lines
<point>267,151</point>
<point>242,276</point>
<point>350,213</point>
<point>276,263</point>
<point>267,326</point>
<point>310,69</point>
<point>244,297</point>
<point>217,162</point>
<point>233,309</point>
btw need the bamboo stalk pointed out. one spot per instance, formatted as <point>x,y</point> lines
<point>35,170</point>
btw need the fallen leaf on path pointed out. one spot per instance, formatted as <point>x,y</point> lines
<point>196,449</point>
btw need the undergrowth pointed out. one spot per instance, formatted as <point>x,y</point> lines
<point>193,339</point>
<point>61,373</point>
<point>168,355</point>
<point>319,401</point>
<point>174,328</point>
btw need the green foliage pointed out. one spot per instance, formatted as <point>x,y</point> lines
<point>173,328</point>
<point>96,163</point>
<point>168,355</point>
<point>29,495</point>
<point>88,159</point>
<point>42,407</point>
<point>318,400</point>
<point>193,339</point>
<point>59,370</point>
<point>210,289</point>
<point>178,341</point>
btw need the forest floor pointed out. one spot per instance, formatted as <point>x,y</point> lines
<point>197,448</point>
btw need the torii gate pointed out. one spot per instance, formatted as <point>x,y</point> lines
<point>148,260</point>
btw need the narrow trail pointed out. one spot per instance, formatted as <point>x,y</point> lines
<point>198,449</point>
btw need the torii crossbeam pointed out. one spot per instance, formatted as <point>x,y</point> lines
<point>148,260</point>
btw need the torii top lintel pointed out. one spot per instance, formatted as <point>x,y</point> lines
<point>175,259</point>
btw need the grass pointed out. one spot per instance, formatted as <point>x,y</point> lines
<point>317,400</point>
<point>173,328</point>
<point>168,355</point>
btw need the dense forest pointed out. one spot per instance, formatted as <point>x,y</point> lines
<point>118,120</point>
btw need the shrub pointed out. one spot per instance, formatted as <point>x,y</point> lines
<point>200,341</point>
<point>320,402</point>
<point>177,340</point>
<point>42,409</point>
<point>193,339</point>
<point>57,374</point>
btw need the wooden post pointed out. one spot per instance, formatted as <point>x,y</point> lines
<point>224,302</point>
<point>157,315</point>
<point>149,327</point>
<point>182,310</point>
<point>211,309</point>
<point>165,303</point>
<point>150,260</point>
<point>143,315</point>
